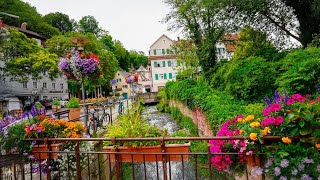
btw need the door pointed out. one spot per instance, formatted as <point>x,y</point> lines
<point>125,95</point>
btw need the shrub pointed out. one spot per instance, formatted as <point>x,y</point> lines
<point>73,103</point>
<point>300,71</point>
<point>56,102</point>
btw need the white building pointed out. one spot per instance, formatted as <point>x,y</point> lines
<point>163,62</point>
<point>227,46</point>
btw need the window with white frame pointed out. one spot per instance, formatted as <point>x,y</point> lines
<point>159,51</point>
<point>35,85</point>
<point>53,85</point>
<point>161,76</point>
<point>44,85</point>
<point>25,85</point>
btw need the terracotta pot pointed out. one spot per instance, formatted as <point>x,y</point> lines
<point>252,160</point>
<point>55,108</point>
<point>74,114</point>
<point>44,147</point>
<point>169,148</point>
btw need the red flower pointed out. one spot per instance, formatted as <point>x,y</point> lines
<point>28,129</point>
<point>275,107</point>
<point>301,99</point>
<point>290,101</point>
<point>278,121</point>
<point>296,96</point>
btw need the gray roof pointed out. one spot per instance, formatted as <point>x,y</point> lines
<point>124,73</point>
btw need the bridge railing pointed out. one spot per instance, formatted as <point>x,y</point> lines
<point>86,158</point>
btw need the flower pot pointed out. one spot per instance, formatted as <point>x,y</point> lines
<point>74,114</point>
<point>45,147</point>
<point>145,151</point>
<point>252,160</point>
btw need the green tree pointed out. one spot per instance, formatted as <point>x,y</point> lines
<point>59,45</point>
<point>88,24</point>
<point>253,43</point>
<point>108,42</point>
<point>137,59</point>
<point>122,55</point>
<point>24,58</point>
<point>60,21</point>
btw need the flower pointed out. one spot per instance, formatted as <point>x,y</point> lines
<point>259,171</point>
<point>301,167</point>
<point>255,124</point>
<point>249,118</point>
<point>301,99</point>
<point>275,107</point>
<point>277,171</point>
<point>284,163</point>
<point>278,121</point>
<point>266,111</point>
<point>318,146</point>
<point>283,178</point>
<point>306,177</point>
<point>296,96</point>
<point>308,161</point>
<point>286,140</point>
<point>253,136</point>
<point>294,172</point>
<point>290,101</point>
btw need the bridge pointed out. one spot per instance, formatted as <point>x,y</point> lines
<point>149,97</point>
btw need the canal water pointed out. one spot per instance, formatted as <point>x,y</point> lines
<point>179,170</point>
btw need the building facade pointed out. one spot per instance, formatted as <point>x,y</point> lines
<point>163,62</point>
<point>120,86</point>
<point>227,46</point>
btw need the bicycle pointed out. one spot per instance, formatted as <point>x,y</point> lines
<point>98,120</point>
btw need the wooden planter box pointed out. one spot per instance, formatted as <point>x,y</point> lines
<point>44,147</point>
<point>74,114</point>
<point>252,160</point>
<point>169,148</point>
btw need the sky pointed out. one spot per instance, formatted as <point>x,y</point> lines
<point>136,23</point>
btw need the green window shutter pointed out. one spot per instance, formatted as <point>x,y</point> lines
<point>165,76</point>
<point>163,64</point>
<point>169,63</point>
<point>155,64</point>
<point>163,51</point>
<point>155,52</point>
<point>157,76</point>
<point>170,75</point>
<point>168,51</point>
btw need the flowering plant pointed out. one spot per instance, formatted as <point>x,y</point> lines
<point>77,66</point>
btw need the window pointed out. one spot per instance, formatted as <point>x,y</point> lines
<point>158,51</point>
<point>155,52</point>
<point>119,80</point>
<point>168,51</point>
<point>44,85</point>
<point>125,86</point>
<point>173,63</point>
<point>35,85</point>
<point>53,85</point>
<point>165,76</point>
<point>156,64</point>
<point>163,64</point>
<point>161,76</point>
<point>163,51</point>
<point>25,85</point>
<point>169,63</point>
<point>61,85</point>
<point>156,76</point>
<point>164,41</point>
<point>44,72</point>
<point>170,75</point>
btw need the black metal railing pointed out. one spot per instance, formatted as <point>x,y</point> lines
<point>86,158</point>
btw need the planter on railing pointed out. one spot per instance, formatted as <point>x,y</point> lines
<point>45,147</point>
<point>74,114</point>
<point>143,151</point>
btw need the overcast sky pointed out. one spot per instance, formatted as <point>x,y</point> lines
<point>136,23</point>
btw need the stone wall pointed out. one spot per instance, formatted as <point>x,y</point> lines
<point>197,115</point>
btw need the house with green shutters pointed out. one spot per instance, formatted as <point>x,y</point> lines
<point>162,60</point>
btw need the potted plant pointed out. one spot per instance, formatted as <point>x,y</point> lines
<point>132,125</point>
<point>56,105</point>
<point>75,110</point>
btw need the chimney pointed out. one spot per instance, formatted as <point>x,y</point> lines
<point>24,26</point>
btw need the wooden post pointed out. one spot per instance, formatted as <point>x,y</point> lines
<point>78,161</point>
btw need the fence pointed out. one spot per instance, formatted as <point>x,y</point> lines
<point>81,162</point>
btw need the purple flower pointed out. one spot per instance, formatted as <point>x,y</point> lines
<point>308,161</point>
<point>283,178</point>
<point>25,154</point>
<point>301,167</point>
<point>268,102</point>
<point>318,168</point>
<point>268,163</point>
<point>286,97</point>
<point>31,157</point>
<point>259,171</point>
<point>306,177</point>
<point>284,163</point>
<point>277,171</point>
<point>294,172</point>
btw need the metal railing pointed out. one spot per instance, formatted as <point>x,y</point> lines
<point>78,162</point>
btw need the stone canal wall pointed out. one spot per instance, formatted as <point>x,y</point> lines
<point>197,115</point>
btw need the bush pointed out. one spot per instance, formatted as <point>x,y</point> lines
<point>300,71</point>
<point>248,79</point>
<point>73,103</point>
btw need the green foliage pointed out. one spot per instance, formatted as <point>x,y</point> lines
<point>184,121</point>
<point>59,45</point>
<point>73,103</point>
<point>88,24</point>
<point>254,43</point>
<point>300,71</point>
<point>248,79</point>
<point>56,102</point>
<point>60,21</point>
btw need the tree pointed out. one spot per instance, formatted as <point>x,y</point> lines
<point>122,55</point>
<point>26,14</point>
<point>108,42</point>
<point>253,43</point>
<point>278,18</point>
<point>60,21</point>
<point>24,58</point>
<point>138,59</point>
<point>198,21</point>
<point>88,24</point>
<point>59,45</point>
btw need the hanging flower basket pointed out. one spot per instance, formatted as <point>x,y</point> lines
<point>144,150</point>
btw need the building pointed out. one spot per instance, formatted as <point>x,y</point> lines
<point>120,86</point>
<point>33,90</point>
<point>227,46</point>
<point>163,62</point>
<point>144,79</point>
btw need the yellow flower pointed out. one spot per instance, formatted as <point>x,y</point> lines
<point>286,140</point>
<point>318,146</point>
<point>253,136</point>
<point>241,131</point>
<point>249,118</point>
<point>255,124</point>
<point>268,129</point>
<point>264,132</point>
<point>240,120</point>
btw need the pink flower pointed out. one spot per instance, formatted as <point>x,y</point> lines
<point>266,111</point>
<point>296,96</point>
<point>301,99</point>
<point>275,107</point>
<point>278,121</point>
<point>249,153</point>
<point>290,101</point>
